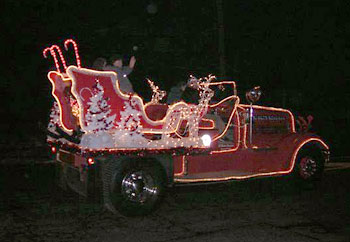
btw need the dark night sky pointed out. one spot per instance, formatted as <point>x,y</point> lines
<point>298,51</point>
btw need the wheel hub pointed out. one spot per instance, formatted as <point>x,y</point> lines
<point>138,187</point>
<point>308,167</point>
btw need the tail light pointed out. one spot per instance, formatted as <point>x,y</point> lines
<point>90,161</point>
<point>53,150</point>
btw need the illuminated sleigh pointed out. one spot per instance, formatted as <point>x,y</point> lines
<point>130,124</point>
<point>109,118</point>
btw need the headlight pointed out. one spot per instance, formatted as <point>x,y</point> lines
<point>206,139</point>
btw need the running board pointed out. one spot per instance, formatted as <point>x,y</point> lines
<point>213,176</point>
<point>224,176</point>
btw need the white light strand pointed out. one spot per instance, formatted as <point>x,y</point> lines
<point>97,116</point>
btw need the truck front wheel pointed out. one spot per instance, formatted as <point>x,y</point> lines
<point>309,165</point>
<point>136,188</point>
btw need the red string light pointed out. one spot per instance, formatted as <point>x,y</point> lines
<point>274,173</point>
<point>56,47</point>
<point>53,54</point>
<point>75,46</point>
<point>45,51</point>
<point>60,78</point>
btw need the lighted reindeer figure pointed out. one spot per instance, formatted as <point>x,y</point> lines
<point>198,111</point>
<point>190,112</point>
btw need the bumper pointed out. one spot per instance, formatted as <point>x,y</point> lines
<point>74,172</point>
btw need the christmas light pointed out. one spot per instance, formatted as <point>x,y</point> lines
<point>237,138</point>
<point>52,51</point>
<point>206,140</point>
<point>243,107</point>
<point>176,113</point>
<point>75,46</point>
<point>54,77</point>
<point>281,172</point>
<point>53,54</point>
<point>97,116</point>
<point>45,52</point>
<point>230,118</point>
<point>292,121</point>
<point>75,107</point>
<point>58,49</point>
<point>184,168</point>
<point>90,161</point>
<point>225,83</point>
<point>81,151</point>
<point>206,120</point>
<point>157,93</point>
<point>111,84</point>
<point>116,123</point>
<point>53,150</point>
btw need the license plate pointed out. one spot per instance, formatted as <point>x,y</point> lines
<point>72,159</point>
<point>66,157</point>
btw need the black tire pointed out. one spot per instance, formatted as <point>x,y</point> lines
<point>94,185</point>
<point>135,187</point>
<point>309,165</point>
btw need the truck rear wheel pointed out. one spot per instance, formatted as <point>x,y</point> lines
<point>135,188</point>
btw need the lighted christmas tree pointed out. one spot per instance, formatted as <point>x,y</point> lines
<point>130,119</point>
<point>129,133</point>
<point>97,116</point>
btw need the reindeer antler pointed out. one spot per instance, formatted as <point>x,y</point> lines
<point>75,50</point>
<point>157,93</point>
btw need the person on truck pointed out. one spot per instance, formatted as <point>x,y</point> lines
<point>99,64</point>
<point>176,92</point>
<point>122,72</point>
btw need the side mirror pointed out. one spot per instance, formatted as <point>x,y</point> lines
<point>253,95</point>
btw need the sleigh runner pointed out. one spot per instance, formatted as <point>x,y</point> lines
<point>98,133</point>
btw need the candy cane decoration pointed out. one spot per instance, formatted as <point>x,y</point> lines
<point>52,52</point>
<point>54,57</point>
<point>53,47</point>
<point>85,88</point>
<point>45,51</point>
<point>75,50</point>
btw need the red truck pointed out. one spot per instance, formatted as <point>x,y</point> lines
<point>112,143</point>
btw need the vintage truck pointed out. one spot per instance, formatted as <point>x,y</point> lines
<point>111,143</point>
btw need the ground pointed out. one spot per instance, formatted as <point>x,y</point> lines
<point>270,209</point>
